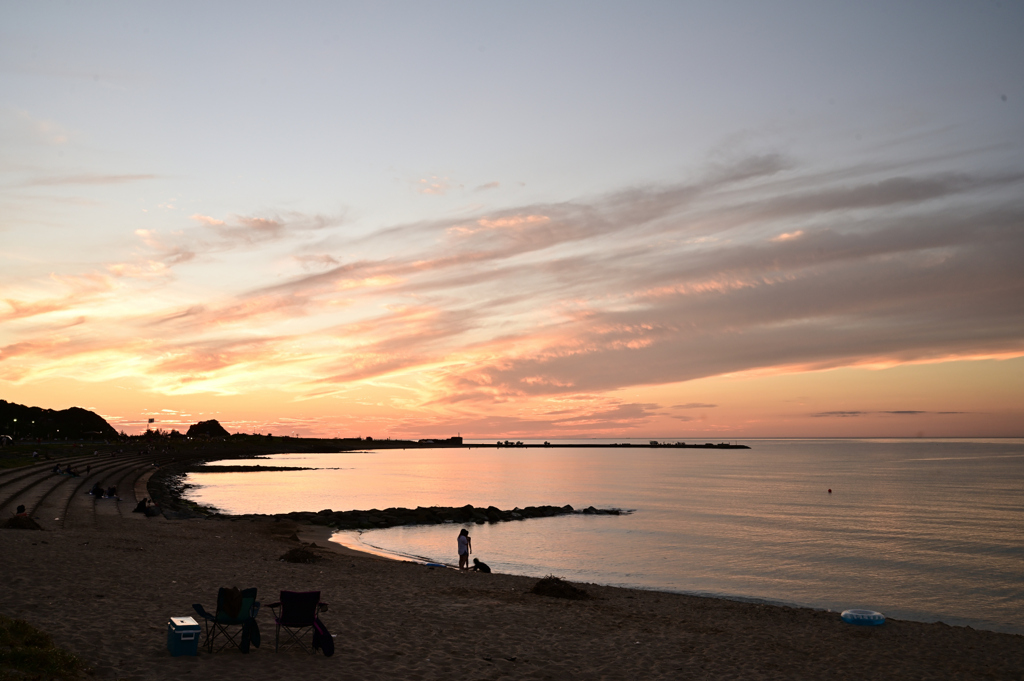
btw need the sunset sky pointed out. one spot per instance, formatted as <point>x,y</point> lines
<point>647,219</point>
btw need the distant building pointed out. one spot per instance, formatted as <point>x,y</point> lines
<point>433,441</point>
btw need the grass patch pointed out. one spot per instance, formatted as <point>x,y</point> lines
<point>15,460</point>
<point>27,653</point>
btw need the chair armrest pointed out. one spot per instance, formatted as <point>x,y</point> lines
<point>255,609</point>
<point>201,611</point>
<point>275,605</point>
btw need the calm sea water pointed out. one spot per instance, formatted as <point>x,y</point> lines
<point>924,530</point>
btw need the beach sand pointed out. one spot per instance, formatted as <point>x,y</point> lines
<point>105,593</point>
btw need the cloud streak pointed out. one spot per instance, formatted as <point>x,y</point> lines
<point>895,412</point>
<point>87,179</point>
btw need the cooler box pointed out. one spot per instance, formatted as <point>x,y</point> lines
<point>183,636</point>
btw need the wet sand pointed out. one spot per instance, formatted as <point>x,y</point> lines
<point>105,593</point>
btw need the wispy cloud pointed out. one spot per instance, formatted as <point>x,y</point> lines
<point>142,270</point>
<point>235,232</point>
<point>207,220</point>
<point>41,130</point>
<point>894,412</point>
<point>78,290</point>
<point>319,260</point>
<point>433,185</point>
<point>86,179</point>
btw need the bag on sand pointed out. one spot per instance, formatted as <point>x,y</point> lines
<point>322,639</point>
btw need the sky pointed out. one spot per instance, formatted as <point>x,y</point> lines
<point>555,220</point>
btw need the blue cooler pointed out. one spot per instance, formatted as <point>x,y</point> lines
<point>183,636</point>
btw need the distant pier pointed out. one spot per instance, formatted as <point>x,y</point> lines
<point>653,444</point>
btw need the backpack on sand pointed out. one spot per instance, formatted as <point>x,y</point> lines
<point>322,639</point>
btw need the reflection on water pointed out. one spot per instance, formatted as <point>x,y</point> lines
<point>920,530</point>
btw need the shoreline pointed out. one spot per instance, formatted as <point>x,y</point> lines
<point>951,616</point>
<point>321,536</point>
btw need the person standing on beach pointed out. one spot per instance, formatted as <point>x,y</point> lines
<point>465,548</point>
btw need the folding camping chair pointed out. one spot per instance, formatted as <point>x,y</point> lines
<point>234,621</point>
<point>299,610</point>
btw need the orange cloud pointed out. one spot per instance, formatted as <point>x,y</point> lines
<point>513,221</point>
<point>789,236</point>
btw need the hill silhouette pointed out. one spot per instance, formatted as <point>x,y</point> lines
<point>75,423</point>
<point>211,428</point>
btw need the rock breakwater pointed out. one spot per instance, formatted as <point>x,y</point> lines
<point>433,515</point>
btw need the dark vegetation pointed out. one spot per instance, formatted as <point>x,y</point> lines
<point>27,429</point>
<point>211,428</point>
<point>21,523</point>
<point>27,653</point>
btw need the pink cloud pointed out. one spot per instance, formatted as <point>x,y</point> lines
<point>433,185</point>
<point>206,220</point>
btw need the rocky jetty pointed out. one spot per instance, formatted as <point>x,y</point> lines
<point>434,515</point>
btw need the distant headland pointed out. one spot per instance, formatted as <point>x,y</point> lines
<point>34,424</point>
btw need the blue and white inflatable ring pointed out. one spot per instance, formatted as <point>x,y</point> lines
<point>868,618</point>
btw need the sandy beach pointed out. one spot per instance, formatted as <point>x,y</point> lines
<point>104,582</point>
<point>106,593</point>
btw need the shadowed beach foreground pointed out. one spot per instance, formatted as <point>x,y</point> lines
<point>105,593</point>
<point>104,581</point>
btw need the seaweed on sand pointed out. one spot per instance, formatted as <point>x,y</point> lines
<point>300,555</point>
<point>556,587</point>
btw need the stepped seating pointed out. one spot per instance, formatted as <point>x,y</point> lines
<point>58,501</point>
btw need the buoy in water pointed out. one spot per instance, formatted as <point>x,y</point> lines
<point>868,618</point>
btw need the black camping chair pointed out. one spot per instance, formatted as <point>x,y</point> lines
<point>234,621</point>
<point>299,610</point>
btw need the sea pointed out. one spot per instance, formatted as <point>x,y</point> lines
<point>917,529</point>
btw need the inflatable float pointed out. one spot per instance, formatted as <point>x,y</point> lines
<point>868,618</point>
